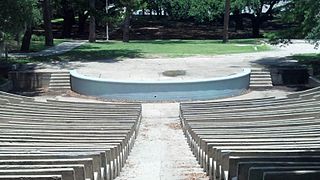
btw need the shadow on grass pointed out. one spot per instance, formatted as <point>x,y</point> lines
<point>179,41</point>
<point>164,42</point>
<point>85,54</point>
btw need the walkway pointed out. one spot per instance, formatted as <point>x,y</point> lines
<point>161,151</point>
<point>55,50</point>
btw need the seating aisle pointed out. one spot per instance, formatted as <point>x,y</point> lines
<point>161,151</point>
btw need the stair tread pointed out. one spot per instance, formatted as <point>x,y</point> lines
<point>261,85</point>
<point>61,87</point>
<point>59,82</point>
<point>260,79</point>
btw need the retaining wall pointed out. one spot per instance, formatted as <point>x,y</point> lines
<point>161,90</point>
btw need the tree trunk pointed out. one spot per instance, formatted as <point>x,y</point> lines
<point>68,19</point>
<point>82,22</point>
<point>238,20</point>
<point>143,12</point>
<point>92,26</point>
<point>126,26</point>
<point>256,27</point>
<point>47,23</point>
<point>26,40</point>
<point>226,22</point>
<point>2,43</point>
<point>150,10</point>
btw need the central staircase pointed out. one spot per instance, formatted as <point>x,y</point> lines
<point>60,81</point>
<point>260,79</point>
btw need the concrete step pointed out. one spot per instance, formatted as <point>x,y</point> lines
<point>60,72</point>
<point>261,75</point>
<point>60,77</point>
<point>261,84</point>
<point>256,70</point>
<point>59,88</point>
<point>54,81</point>
<point>260,79</point>
<point>59,83</point>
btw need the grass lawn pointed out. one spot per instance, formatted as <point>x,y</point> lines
<point>35,45</point>
<point>39,45</point>
<point>155,48</point>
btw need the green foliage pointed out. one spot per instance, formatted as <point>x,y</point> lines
<point>206,10</point>
<point>200,10</point>
<point>178,9</point>
<point>16,14</point>
<point>304,18</point>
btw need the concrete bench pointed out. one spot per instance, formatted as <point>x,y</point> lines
<point>53,138</point>
<point>292,175</point>
<point>111,151</point>
<point>25,98</point>
<point>298,94</point>
<point>258,172</point>
<point>280,102</point>
<point>66,173</point>
<point>267,107</point>
<point>219,131</point>
<point>47,163</point>
<point>31,177</point>
<point>79,172</point>
<point>98,158</point>
<point>274,156</point>
<point>243,168</point>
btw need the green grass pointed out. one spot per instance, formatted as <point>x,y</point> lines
<point>60,20</point>
<point>36,44</point>
<point>307,58</point>
<point>57,20</point>
<point>154,48</point>
<point>39,45</point>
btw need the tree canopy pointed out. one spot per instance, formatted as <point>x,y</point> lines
<point>15,15</point>
<point>304,18</point>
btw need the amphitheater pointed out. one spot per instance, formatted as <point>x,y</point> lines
<point>268,134</point>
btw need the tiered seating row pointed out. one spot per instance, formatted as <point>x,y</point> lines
<point>65,140</point>
<point>256,139</point>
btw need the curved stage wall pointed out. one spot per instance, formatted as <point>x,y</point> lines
<point>161,90</point>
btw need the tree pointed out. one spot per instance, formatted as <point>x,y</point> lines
<point>92,26</point>
<point>47,16</point>
<point>226,21</point>
<point>18,16</point>
<point>68,18</point>
<point>259,11</point>
<point>304,20</point>
<point>128,6</point>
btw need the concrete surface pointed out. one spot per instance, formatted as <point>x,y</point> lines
<point>161,151</point>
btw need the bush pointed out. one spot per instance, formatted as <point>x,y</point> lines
<point>37,38</point>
